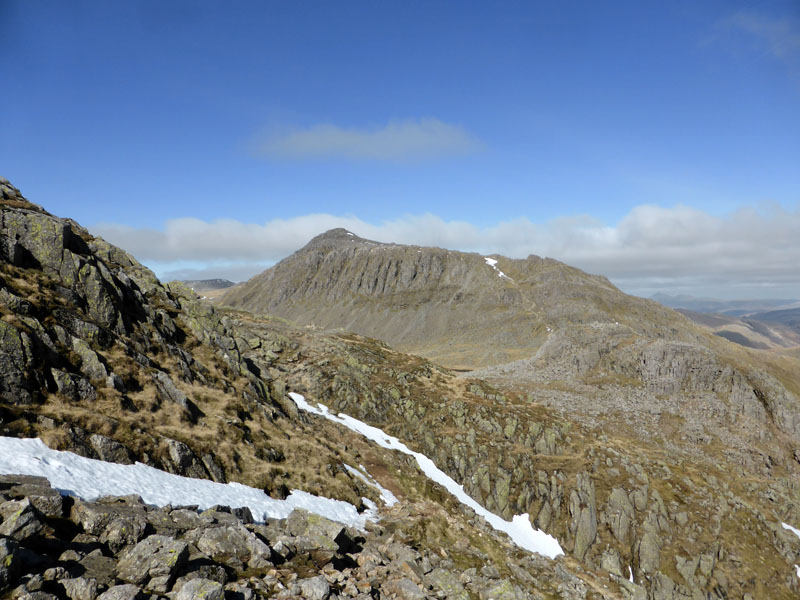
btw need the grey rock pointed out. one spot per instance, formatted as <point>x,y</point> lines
<point>20,519</point>
<point>91,365</point>
<point>117,524</point>
<point>201,588</point>
<point>155,556</point>
<point>122,592</point>
<point>234,546</point>
<point>216,472</point>
<point>169,392</point>
<point>44,498</point>
<point>110,450</point>
<point>321,533</point>
<point>80,588</point>
<point>402,589</point>
<point>314,588</point>
<point>185,461</point>
<point>10,563</point>
<point>504,590</point>
<point>446,582</point>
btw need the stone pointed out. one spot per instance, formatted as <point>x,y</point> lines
<point>184,460</point>
<point>44,498</point>
<point>169,392</point>
<point>122,592</point>
<point>91,365</point>
<point>20,519</point>
<point>80,588</point>
<point>402,589</point>
<point>110,450</point>
<point>447,583</point>
<point>314,588</point>
<point>155,556</point>
<point>320,533</point>
<point>504,590</point>
<point>10,563</point>
<point>204,589</point>
<point>235,547</point>
<point>118,524</point>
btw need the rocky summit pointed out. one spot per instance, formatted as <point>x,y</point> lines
<point>663,458</point>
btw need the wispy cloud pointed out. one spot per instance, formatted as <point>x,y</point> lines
<point>754,251</point>
<point>777,36</point>
<point>405,140</point>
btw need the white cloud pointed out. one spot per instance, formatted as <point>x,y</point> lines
<point>404,140</point>
<point>780,37</point>
<point>749,252</point>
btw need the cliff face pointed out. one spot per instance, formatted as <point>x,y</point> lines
<point>646,449</point>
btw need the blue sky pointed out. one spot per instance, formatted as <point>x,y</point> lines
<point>213,138</point>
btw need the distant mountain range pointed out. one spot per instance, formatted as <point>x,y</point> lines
<point>760,324</point>
<point>735,308</point>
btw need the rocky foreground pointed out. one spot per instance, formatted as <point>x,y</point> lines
<point>118,548</point>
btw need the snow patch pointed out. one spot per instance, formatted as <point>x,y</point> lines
<point>519,529</point>
<point>387,497</point>
<point>630,573</point>
<point>792,529</point>
<point>90,479</point>
<point>493,263</point>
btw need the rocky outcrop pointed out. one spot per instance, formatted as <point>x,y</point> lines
<point>179,554</point>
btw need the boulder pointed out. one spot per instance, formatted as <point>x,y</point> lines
<point>118,525</point>
<point>80,588</point>
<point>153,557</point>
<point>44,498</point>
<point>122,592</point>
<point>10,563</point>
<point>204,589</point>
<point>110,450</point>
<point>314,588</point>
<point>235,547</point>
<point>20,520</point>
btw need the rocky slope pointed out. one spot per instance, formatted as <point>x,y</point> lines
<point>460,310</point>
<point>650,454</point>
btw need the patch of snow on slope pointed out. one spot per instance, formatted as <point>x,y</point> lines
<point>519,529</point>
<point>792,529</point>
<point>91,479</point>
<point>797,533</point>
<point>387,497</point>
<point>493,263</point>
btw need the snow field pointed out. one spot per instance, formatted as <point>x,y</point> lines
<point>519,529</point>
<point>90,479</point>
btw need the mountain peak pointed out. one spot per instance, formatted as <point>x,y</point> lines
<point>335,238</point>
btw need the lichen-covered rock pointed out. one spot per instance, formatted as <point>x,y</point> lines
<point>110,450</point>
<point>201,589</point>
<point>126,591</point>
<point>44,498</point>
<point>79,588</point>
<point>20,519</point>
<point>117,524</point>
<point>235,547</point>
<point>10,563</point>
<point>17,384</point>
<point>153,557</point>
<point>314,588</point>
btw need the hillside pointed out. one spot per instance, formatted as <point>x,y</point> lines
<point>664,460</point>
<point>461,310</point>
